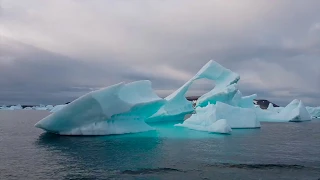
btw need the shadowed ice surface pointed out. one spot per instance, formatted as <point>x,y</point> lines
<point>276,151</point>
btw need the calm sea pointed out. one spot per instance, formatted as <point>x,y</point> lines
<point>276,151</point>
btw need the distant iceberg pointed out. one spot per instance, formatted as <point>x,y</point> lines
<point>16,107</point>
<point>117,109</point>
<point>294,112</point>
<point>314,111</point>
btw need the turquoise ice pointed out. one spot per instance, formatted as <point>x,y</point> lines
<point>118,109</point>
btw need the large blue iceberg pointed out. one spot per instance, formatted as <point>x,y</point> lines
<point>118,109</point>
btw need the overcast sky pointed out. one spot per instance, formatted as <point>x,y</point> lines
<point>54,51</point>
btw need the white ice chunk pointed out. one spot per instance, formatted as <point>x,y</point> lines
<point>294,111</point>
<point>237,117</point>
<point>271,107</point>
<point>225,81</point>
<point>314,111</point>
<point>225,95</point>
<point>117,109</point>
<point>247,101</point>
<point>49,107</point>
<point>205,120</point>
<point>40,108</point>
<point>16,107</point>
<point>3,107</point>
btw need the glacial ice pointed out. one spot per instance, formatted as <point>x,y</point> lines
<point>117,109</point>
<point>57,108</point>
<point>237,117</point>
<point>223,107</point>
<point>314,111</point>
<point>205,120</point>
<point>177,106</point>
<point>49,107</point>
<point>127,108</point>
<point>271,107</point>
<point>225,85</point>
<point>16,107</point>
<point>294,111</point>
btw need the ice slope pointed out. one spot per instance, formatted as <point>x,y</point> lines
<point>205,120</point>
<point>177,106</point>
<point>247,101</point>
<point>242,101</point>
<point>294,111</point>
<point>271,107</point>
<point>57,108</point>
<point>314,111</point>
<point>117,109</point>
<point>220,118</point>
<point>225,85</point>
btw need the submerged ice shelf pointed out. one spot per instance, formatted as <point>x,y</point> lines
<point>130,108</point>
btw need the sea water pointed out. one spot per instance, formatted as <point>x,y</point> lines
<point>276,151</point>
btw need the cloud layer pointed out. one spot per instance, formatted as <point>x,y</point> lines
<point>54,51</point>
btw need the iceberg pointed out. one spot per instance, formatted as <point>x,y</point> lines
<point>16,107</point>
<point>205,120</point>
<point>225,85</point>
<point>293,112</point>
<point>177,106</point>
<point>220,118</point>
<point>220,94</point>
<point>314,111</point>
<point>247,101</point>
<point>49,107</point>
<point>117,109</point>
<point>271,108</point>
<point>223,107</point>
<point>41,107</point>
<point>3,107</point>
<point>237,117</point>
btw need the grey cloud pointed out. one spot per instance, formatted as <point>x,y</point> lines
<point>274,46</point>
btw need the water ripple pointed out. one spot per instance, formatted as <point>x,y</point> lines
<point>150,171</point>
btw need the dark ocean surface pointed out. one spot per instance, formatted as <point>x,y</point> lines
<point>276,151</point>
